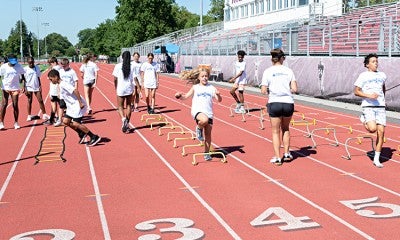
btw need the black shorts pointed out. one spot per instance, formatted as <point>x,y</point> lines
<point>63,105</point>
<point>277,109</point>
<point>210,120</point>
<point>90,85</point>
<point>78,120</point>
<point>55,99</point>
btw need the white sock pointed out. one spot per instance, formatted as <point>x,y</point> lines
<point>376,159</point>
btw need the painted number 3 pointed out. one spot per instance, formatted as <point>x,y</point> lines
<point>181,225</point>
<point>57,234</point>
<point>360,204</point>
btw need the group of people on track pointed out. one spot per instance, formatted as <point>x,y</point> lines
<point>131,76</point>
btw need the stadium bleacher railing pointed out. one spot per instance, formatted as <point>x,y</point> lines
<point>360,31</point>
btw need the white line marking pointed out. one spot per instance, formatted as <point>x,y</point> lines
<point>99,202</point>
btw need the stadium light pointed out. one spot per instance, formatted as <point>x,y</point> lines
<point>45,24</point>
<point>201,13</point>
<point>37,10</point>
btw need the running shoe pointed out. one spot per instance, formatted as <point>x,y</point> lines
<point>16,126</point>
<point>287,157</point>
<point>125,127</point>
<point>94,140</point>
<point>207,157</point>
<point>58,123</point>
<point>276,161</point>
<point>45,117</point>
<point>199,134</point>
<point>90,112</point>
<point>1,125</point>
<point>82,139</point>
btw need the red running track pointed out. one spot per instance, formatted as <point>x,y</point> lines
<point>137,186</point>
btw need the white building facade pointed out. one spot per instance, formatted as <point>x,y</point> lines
<point>245,13</point>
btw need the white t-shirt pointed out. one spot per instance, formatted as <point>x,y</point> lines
<point>136,70</point>
<point>89,72</point>
<point>125,86</point>
<point>372,82</point>
<point>241,66</point>
<point>150,74</point>
<point>54,87</point>
<point>11,76</point>
<point>278,79</point>
<point>68,76</point>
<point>73,108</point>
<point>202,100</point>
<point>31,77</point>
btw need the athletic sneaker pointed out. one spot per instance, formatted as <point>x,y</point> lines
<point>378,164</point>
<point>94,140</point>
<point>207,157</point>
<point>16,126</point>
<point>45,117</point>
<point>276,161</point>
<point>287,157</point>
<point>148,109</point>
<point>125,126</point>
<point>83,139</point>
<point>135,110</point>
<point>1,125</point>
<point>90,112</point>
<point>58,123</point>
<point>199,134</point>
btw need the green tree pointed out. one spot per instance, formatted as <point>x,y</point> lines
<point>216,11</point>
<point>57,42</point>
<point>13,42</point>
<point>106,39</point>
<point>141,20</point>
<point>86,38</point>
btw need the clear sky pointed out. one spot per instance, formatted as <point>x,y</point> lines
<point>67,17</point>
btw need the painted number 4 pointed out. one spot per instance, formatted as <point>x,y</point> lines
<point>360,204</point>
<point>292,222</point>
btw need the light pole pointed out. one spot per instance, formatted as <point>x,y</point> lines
<point>37,10</point>
<point>46,24</point>
<point>20,30</point>
<point>201,13</point>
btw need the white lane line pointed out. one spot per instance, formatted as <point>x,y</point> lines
<point>14,166</point>
<point>185,183</point>
<point>97,193</point>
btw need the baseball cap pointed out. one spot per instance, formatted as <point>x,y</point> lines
<point>13,61</point>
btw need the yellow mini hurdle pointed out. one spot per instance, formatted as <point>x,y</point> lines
<point>169,126</point>
<point>223,160</point>
<point>359,141</point>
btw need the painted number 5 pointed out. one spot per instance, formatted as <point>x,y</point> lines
<point>181,225</point>
<point>360,204</point>
<point>58,234</point>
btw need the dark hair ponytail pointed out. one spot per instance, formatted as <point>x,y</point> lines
<point>126,64</point>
